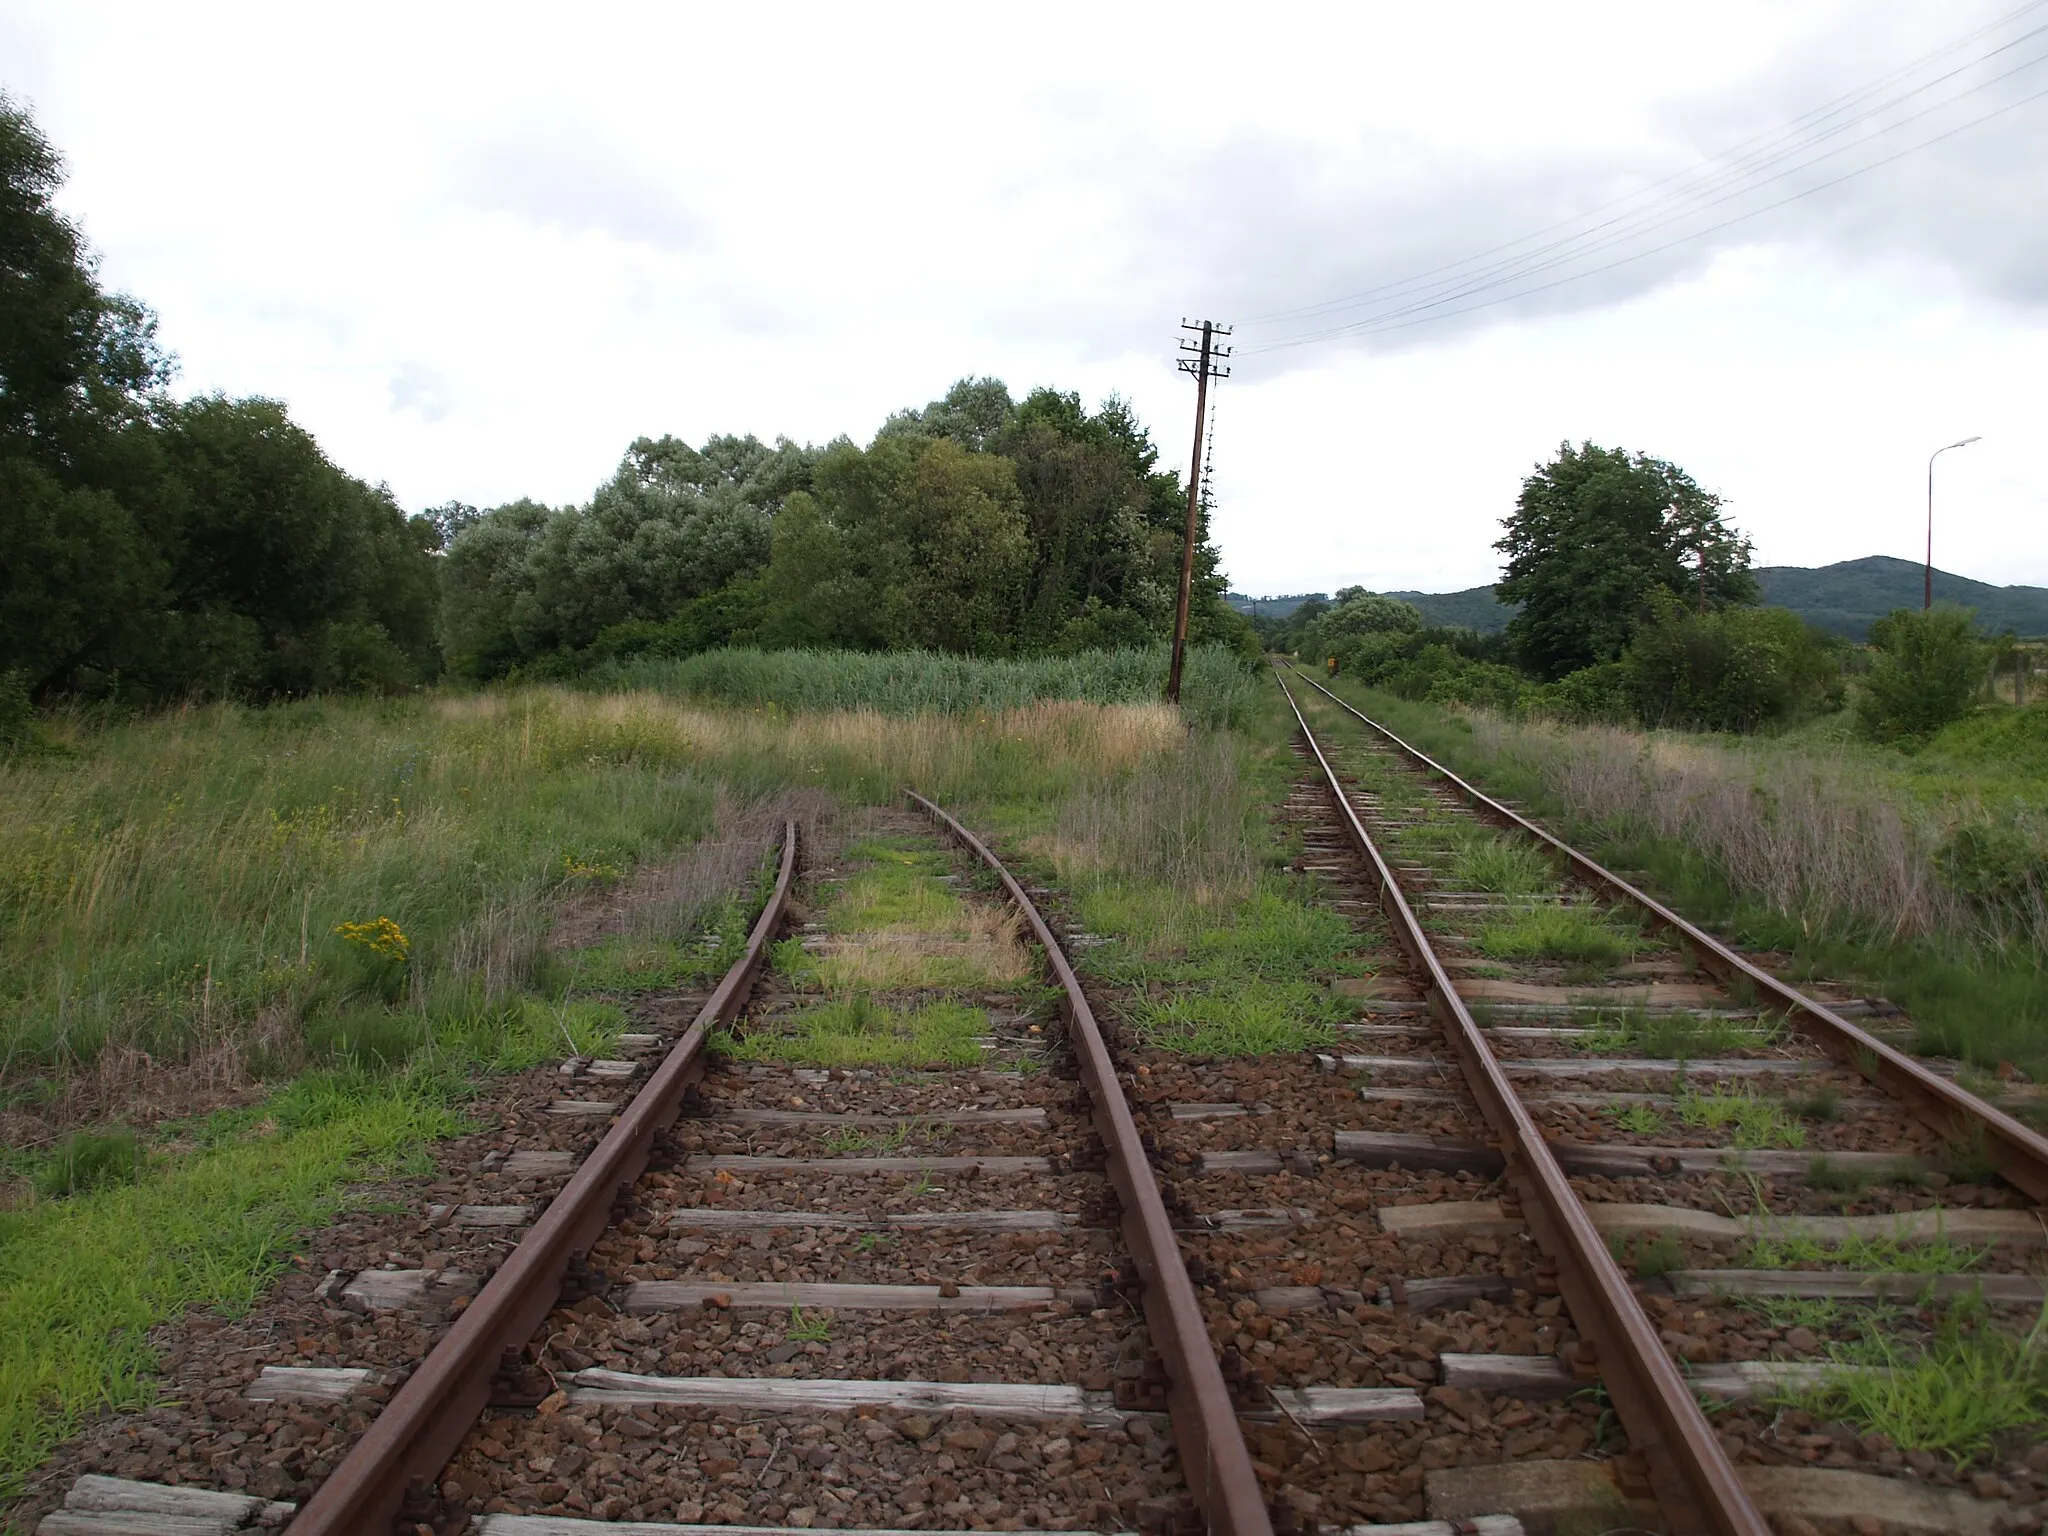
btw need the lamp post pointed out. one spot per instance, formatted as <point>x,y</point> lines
<point>1927,593</point>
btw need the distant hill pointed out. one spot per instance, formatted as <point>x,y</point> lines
<point>1845,598</point>
<point>1272,607</point>
<point>1851,595</point>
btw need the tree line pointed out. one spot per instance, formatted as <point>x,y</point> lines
<point>979,525</point>
<point>153,548</point>
<point>1636,603</point>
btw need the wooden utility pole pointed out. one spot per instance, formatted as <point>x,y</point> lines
<point>1204,368</point>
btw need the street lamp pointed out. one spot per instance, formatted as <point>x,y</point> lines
<point>1927,594</point>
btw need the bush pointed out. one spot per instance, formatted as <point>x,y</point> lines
<point>1998,870</point>
<point>1926,672</point>
<point>1596,695</point>
<point>1732,669</point>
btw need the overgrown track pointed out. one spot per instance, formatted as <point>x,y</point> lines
<point>1688,1466</point>
<point>414,1436</point>
<point>1503,932</point>
<point>2019,1154</point>
<point>528,1416</point>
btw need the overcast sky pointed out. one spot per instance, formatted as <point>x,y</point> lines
<point>479,249</point>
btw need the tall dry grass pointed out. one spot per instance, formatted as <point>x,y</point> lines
<point>1827,840</point>
<point>173,887</point>
<point>1182,819</point>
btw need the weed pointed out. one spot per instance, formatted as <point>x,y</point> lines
<point>1877,1255</point>
<point>1966,1155</point>
<point>872,1242</point>
<point>1556,933</point>
<point>1824,1174</point>
<point>1506,866</point>
<point>85,1161</point>
<point>858,1031</point>
<point>1973,1386</point>
<point>1246,1019</point>
<point>1665,1036</point>
<point>923,1184</point>
<point>846,1141</point>
<point>1823,1103</point>
<point>808,1330</point>
<point>1756,1121</point>
<point>1640,1120</point>
<point>1648,1254</point>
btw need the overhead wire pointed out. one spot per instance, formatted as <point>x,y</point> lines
<point>1737,173</point>
<point>1757,143</point>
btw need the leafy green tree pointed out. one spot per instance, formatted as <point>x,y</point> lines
<point>1592,532</point>
<point>1927,670</point>
<point>1730,669</point>
<point>674,525</point>
<point>1356,614</point>
<point>973,413</point>
<point>914,543</point>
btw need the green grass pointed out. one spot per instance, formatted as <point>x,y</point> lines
<point>1757,1122</point>
<point>1556,933</point>
<point>1156,934</point>
<point>84,1279</point>
<point>1491,861</point>
<point>87,1160</point>
<point>1648,1254</point>
<point>1248,1018</point>
<point>1666,1036</point>
<point>1877,1255</point>
<point>859,1032</point>
<point>1217,689</point>
<point>1972,994</point>
<point>807,1330</point>
<point>1971,1388</point>
<point>1640,1120</point>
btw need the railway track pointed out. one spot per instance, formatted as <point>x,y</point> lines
<point>1480,1259</point>
<point>1724,1182</point>
<point>783,1294</point>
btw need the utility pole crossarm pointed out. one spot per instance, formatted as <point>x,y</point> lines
<point>1204,366</point>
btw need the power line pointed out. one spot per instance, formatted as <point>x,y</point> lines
<point>1398,310</point>
<point>1368,327</point>
<point>1205,364</point>
<point>1766,138</point>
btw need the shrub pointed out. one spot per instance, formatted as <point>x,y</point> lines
<point>1732,669</point>
<point>1926,672</point>
<point>1595,695</point>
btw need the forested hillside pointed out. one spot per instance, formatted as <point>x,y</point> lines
<point>1844,599</point>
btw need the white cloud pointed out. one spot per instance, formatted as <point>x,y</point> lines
<point>479,249</point>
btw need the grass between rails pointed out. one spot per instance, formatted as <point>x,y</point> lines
<point>858,1031</point>
<point>83,1280</point>
<point>1830,854</point>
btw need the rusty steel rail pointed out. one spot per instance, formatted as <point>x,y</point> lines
<point>1213,1455</point>
<point>1694,1481</point>
<point>426,1420</point>
<point>2017,1152</point>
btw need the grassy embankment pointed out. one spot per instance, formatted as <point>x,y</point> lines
<point>1919,874</point>
<point>333,915</point>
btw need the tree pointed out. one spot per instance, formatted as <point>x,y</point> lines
<point>1928,668</point>
<point>673,526</point>
<point>915,542</point>
<point>1592,532</point>
<point>1356,614</point>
